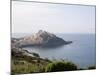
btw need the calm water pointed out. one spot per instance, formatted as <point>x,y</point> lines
<point>82,51</point>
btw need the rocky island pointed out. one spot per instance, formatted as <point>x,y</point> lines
<point>41,38</point>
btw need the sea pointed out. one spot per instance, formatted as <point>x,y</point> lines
<point>82,50</point>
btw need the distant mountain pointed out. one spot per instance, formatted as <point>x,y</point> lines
<point>43,39</point>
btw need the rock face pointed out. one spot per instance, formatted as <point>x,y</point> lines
<point>43,39</point>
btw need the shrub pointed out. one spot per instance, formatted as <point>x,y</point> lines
<point>35,54</point>
<point>46,59</point>
<point>12,73</point>
<point>92,67</point>
<point>81,69</point>
<point>60,66</point>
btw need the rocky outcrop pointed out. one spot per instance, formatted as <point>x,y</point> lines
<point>43,39</point>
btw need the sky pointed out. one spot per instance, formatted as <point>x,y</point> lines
<point>30,17</point>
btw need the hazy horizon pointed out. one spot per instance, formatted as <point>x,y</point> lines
<point>53,32</point>
<point>29,17</point>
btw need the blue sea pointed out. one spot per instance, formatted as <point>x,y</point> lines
<point>82,51</point>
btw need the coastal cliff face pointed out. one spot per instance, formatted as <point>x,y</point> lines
<point>43,39</point>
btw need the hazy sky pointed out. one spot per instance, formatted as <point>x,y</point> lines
<point>29,17</point>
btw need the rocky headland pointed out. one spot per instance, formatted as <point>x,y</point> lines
<point>41,38</point>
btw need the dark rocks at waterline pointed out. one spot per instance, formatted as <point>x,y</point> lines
<point>42,39</point>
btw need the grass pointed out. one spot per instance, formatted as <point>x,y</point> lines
<point>26,67</point>
<point>26,64</point>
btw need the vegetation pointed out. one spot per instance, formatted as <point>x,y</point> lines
<point>26,67</point>
<point>26,64</point>
<point>22,64</point>
<point>92,67</point>
<point>60,66</point>
<point>35,54</point>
